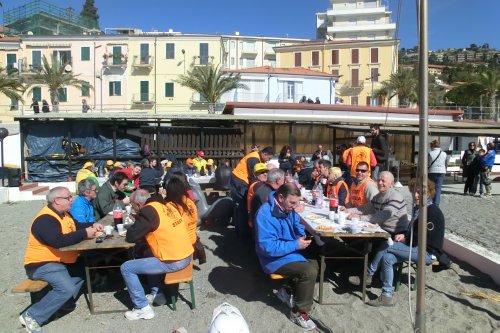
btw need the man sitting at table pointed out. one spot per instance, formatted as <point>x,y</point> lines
<point>51,229</point>
<point>279,238</point>
<point>167,236</point>
<point>275,178</point>
<point>110,191</point>
<point>82,208</point>
<point>133,173</point>
<point>363,188</point>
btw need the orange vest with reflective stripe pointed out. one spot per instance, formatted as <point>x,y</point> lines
<point>358,197</point>
<point>190,218</point>
<point>241,170</point>
<point>359,154</point>
<point>170,241</point>
<point>36,252</point>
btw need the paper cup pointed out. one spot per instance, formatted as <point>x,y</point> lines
<point>342,218</point>
<point>128,209</point>
<point>108,230</point>
<point>120,228</point>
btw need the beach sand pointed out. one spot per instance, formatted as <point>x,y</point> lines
<point>233,275</point>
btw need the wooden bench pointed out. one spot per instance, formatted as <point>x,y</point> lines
<point>30,286</point>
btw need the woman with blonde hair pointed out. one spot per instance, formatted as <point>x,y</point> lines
<point>335,181</point>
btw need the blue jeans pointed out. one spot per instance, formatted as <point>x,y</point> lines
<point>63,286</point>
<point>438,179</point>
<point>386,257</point>
<point>154,268</point>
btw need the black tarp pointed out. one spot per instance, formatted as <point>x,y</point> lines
<point>44,140</point>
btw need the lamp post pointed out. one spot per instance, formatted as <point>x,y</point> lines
<point>371,79</point>
<point>3,134</point>
<point>184,61</point>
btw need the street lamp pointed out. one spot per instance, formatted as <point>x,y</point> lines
<point>371,79</point>
<point>3,134</point>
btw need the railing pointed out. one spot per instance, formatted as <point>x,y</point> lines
<point>143,98</point>
<point>473,112</point>
<point>143,61</point>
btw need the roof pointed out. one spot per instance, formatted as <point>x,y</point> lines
<point>286,71</point>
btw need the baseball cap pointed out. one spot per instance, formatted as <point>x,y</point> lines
<point>200,153</point>
<point>361,139</point>
<point>88,165</point>
<point>109,162</point>
<point>260,167</point>
<point>189,161</point>
<point>210,161</point>
<point>118,164</point>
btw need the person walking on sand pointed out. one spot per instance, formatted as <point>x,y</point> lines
<point>437,168</point>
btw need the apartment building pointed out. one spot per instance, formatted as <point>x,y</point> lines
<point>355,20</point>
<point>359,65</point>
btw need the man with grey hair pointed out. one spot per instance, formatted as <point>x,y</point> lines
<point>275,178</point>
<point>82,208</point>
<point>51,229</point>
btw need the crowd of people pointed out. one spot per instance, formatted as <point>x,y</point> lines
<point>267,206</point>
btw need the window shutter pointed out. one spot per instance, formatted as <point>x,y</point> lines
<point>335,57</point>
<point>355,56</point>
<point>374,55</point>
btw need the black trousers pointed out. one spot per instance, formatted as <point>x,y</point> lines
<point>303,275</point>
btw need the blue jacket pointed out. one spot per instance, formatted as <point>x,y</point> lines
<point>276,236</point>
<point>488,159</point>
<point>82,210</point>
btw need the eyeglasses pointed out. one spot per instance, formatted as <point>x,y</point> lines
<point>67,198</point>
<point>94,190</point>
<point>361,170</point>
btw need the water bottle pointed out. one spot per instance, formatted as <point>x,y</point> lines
<point>319,196</point>
<point>117,213</point>
<point>296,179</point>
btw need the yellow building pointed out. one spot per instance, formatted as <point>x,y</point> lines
<point>359,65</point>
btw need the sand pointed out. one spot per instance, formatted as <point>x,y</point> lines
<point>233,275</point>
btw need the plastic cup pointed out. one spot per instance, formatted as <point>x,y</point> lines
<point>355,220</point>
<point>342,218</point>
<point>120,228</point>
<point>355,229</point>
<point>108,230</point>
<point>128,209</point>
<point>331,216</point>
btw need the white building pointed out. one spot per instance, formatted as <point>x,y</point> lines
<point>282,85</point>
<point>355,20</point>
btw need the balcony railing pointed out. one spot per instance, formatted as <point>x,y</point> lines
<point>143,98</point>
<point>143,61</point>
<point>115,60</point>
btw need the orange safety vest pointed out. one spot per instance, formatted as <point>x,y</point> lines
<point>170,241</point>
<point>330,187</point>
<point>358,197</point>
<point>345,154</point>
<point>190,218</point>
<point>359,154</point>
<point>241,170</point>
<point>36,252</point>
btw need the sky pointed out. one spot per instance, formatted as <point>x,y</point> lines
<point>452,23</point>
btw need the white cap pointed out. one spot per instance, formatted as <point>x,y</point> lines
<point>361,139</point>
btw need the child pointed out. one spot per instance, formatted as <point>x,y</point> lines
<point>481,153</point>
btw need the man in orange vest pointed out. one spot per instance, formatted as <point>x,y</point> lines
<point>241,177</point>
<point>51,229</point>
<point>163,229</point>
<point>360,153</point>
<point>363,188</point>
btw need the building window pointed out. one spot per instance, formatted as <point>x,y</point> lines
<point>144,91</point>
<point>232,61</point>
<point>63,56</point>
<point>354,100</point>
<point>354,77</point>
<point>85,89</point>
<point>335,57</point>
<point>354,56</point>
<point>298,59</point>
<point>250,63</point>
<point>374,55</point>
<point>11,61</point>
<point>315,58</point>
<point>115,88</point>
<point>169,89</point>
<point>85,53</point>
<point>14,104</point>
<point>36,60</point>
<point>63,94</point>
<point>203,53</point>
<point>170,51</point>
<point>117,55</point>
<point>144,54</point>
<point>374,74</point>
<point>37,93</point>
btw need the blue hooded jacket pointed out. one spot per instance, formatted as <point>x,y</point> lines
<point>276,236</point>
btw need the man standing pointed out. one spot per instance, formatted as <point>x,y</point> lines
<point>487,162</point>
<point>360,153</point>
<point>320,153</point>
<point>87,171</point>
<point>200,162</point>
<point>166,234</point>
<point>109,192</point>
<point>82,208</point>
<point>471,168</point>
<point>380,149</point>
<point>35,106</point>
<point>241,177</point>
<point>363,188</point>
<point>279,238</point>
<point>52,229</point>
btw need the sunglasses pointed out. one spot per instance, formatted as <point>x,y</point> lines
<point>361,170</point>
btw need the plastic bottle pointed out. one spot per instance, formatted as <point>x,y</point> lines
<point>117,213</point>
<point>296,179</point>
<point>319,196</point>
<point>334,201</point>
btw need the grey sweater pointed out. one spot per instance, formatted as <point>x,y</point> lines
<point>387,209</point>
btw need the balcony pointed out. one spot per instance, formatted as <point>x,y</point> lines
<point>113,60</point>
<point>143,100</point>
<point>362,27</point>
<point>145,61</point>
<point>248,52</point>
<point>356,11</point>
<point>269,53</point>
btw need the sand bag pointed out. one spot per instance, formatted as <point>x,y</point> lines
<point>228,319</point>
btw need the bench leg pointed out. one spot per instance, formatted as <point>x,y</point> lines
<point>173,300</point>
<point>191,290</point>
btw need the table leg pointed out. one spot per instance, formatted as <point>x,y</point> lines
<point>89,286</point>
<point>366,251</point>
<point>321,277</point>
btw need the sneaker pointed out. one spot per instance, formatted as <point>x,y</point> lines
<point>486,195</point>
<point>158,299</point>
<point>382,301</point>
<point>29,323</point>
<point>356,280</point>
<point>144,313</point>
<point>302,319</point>
<point>286,297</point>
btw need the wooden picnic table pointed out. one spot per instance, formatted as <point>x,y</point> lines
<point>108,249</point>
<point>316,222</point>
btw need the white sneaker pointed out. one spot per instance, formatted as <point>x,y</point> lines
<point>29,323</point>
<point>284,296</point>
<point>302,319</point>
<point>158,299</point>
<point>144,313</point>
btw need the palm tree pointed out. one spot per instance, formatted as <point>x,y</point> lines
<point>210,82</point>
<point>55,76</point>
<point>11,86</point>
<point>489,85</point>
<point>403,84</point>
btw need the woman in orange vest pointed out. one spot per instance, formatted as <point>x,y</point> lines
<point>335,181</point>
